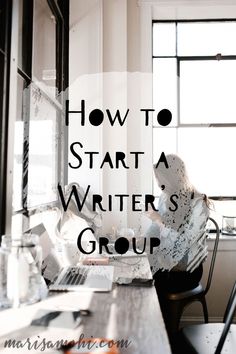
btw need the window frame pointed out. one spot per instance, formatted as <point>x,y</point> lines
<point>4,110</point>
<point>28,16</point>
<point>192,58</point>
<point>60,10</point>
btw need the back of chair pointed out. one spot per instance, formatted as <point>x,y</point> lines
<point>229,315</point>
<point>213,258</point>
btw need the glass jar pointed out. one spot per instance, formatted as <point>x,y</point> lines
<point>20,278</point>
<point>4,301</point>
<point>228,225</point>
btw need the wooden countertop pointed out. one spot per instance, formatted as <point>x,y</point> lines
<point>128,312</point>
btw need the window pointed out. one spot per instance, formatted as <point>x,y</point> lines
<point>41,79</point>
<point>194,76</point>
<point>5,12</point>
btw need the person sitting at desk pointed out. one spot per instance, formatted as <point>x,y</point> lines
<point>180,225</point>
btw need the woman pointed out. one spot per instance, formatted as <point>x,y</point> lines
<point>180,225</point>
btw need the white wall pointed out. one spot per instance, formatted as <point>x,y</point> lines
<point>190,9</point>
<point>85,79</point>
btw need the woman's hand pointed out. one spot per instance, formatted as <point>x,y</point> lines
<point>154,216</point>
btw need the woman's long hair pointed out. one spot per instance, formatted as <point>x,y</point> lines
<point>175,177</point>
<point>174,181</point>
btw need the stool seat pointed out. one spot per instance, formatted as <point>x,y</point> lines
<point>203,338</point>
<point>212,338</point>
<point>186,294</point>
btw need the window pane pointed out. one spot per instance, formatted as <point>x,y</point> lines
<point>164,140</point>
<point>2,23</point>
<point>25,36</point>
<point>165,87</point>
<point>18,147</point>
<point>206,38</point>
<point>44,47</point>
<point>207,91</point>
<point>209,154</point>
<point>164,39</point>
<point>223,208</point>
<point>2,63</point>
<point>20,35</point>
<point>43,145</point>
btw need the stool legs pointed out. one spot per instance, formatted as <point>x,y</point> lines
<point>171,311</point>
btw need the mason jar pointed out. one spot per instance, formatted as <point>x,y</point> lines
<point>20,262</point>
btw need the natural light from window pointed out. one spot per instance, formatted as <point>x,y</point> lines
<point>194,76</point>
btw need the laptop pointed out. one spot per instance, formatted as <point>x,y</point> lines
<point>61,277</point>
<point>84,278</point>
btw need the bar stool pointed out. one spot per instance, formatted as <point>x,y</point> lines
<point>211,337</point>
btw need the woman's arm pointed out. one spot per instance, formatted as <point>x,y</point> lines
<point>174,245</point>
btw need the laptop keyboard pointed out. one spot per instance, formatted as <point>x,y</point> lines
<point>74,276</point>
